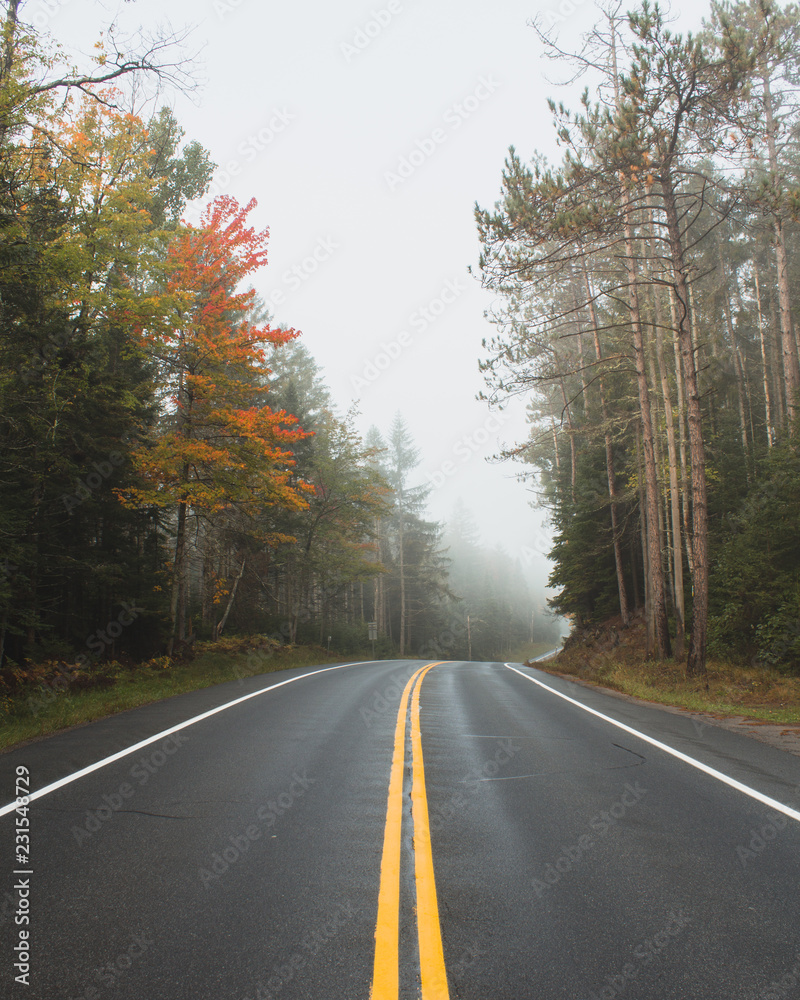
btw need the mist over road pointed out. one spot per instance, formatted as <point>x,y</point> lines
<point>470,830</point>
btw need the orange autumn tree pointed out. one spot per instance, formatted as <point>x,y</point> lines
<point>219,449</point>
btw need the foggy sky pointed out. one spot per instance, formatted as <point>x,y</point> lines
<point>367,132</point>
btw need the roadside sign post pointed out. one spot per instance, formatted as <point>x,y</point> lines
<point>373,635</point>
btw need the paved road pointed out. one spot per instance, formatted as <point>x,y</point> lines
<point>256,853</point>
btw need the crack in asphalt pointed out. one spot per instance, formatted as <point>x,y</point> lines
<point>619,746</point>
<point>550,774</point>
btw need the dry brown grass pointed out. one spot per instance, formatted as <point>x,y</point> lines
<point>616,659</point>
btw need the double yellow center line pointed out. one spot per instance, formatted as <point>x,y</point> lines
<point>386,974</point>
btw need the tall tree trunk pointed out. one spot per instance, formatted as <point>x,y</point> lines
<point>696,663</point>
<point>635,577</point>
<point>779,387</point>
<point>737,365</point>
<point>661,626</point>
<point>231,598</point>
<point>658,639</point>
<point>178,595</point>
<point>555,443</point>
<point>401,562</point>
<point>379,588</point>
<point>791,373</point>
<point>377,615</point>
<point>674,492</point>
<point>748,401</point>
<point>643,531</point>
<point>610,473</point>
<point>764,367</point>
<point>791,367</point>
<point>687,528</point>
<point>742,401</point>
<point>663,536</point>
<point>572,451</point>
<point>9,42</point>
<point>206,579</point>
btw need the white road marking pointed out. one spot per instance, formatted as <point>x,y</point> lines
<point>167,732</point>
<point>724,778</point>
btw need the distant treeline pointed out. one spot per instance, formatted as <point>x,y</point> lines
<point>171,465</point>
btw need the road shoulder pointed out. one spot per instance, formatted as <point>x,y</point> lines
<point>782,736</point>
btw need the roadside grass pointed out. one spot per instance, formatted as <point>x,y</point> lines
<point>33,711</point>
<point>756,692</point>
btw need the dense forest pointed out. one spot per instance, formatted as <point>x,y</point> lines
<point>647,284</point>
<point>171,464</point>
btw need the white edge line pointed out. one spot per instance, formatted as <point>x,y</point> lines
<point>68,779</point>
<point>732,782</point>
